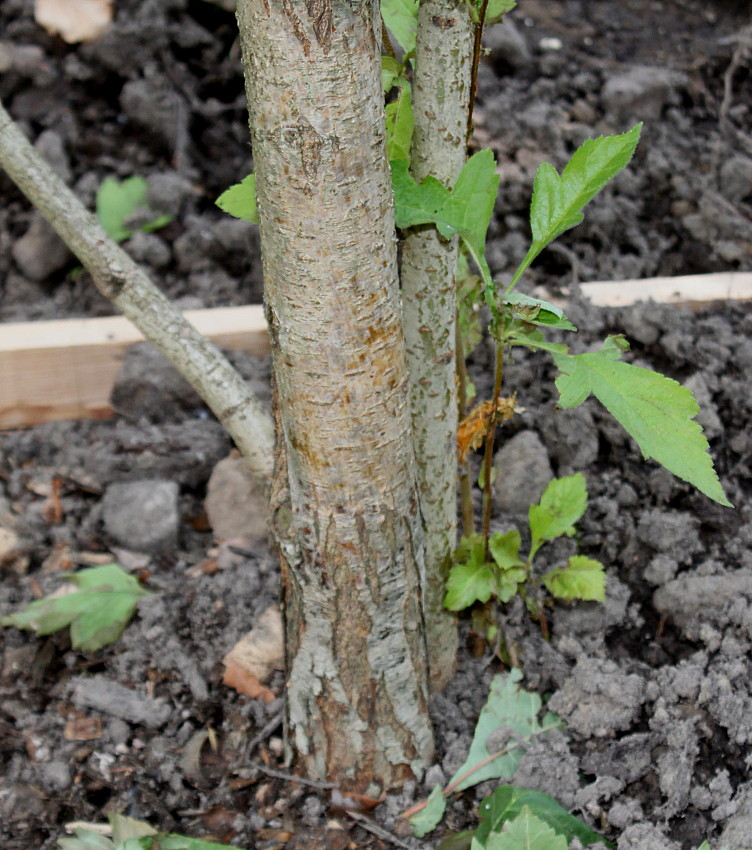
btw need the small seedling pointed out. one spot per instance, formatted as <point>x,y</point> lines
<point>116,204</point>
<point>97,604</point>
<point>483,571</point>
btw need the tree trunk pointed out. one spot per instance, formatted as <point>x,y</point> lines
<point>345,503</point>
<point>441,96</point>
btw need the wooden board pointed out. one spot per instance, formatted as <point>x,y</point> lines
<point>65,369</point>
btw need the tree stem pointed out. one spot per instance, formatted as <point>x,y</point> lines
<point>489,449</point>
<point>477,46</point>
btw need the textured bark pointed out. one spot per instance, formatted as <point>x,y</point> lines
<point>441,94</point>
<point>345,503</point>
<point>122,280</point>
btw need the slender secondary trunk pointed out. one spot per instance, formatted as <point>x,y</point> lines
<point>345,503</point>
<point>441,94</point>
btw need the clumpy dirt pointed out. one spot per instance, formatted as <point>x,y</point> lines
<point>654,684</point>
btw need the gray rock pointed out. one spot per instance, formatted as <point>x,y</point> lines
<point>524,472</point>
<point>148,248</point>
<point>693,601</point>
<point>599,699</point>
<point>628,759</point>
<point>40,252</point>
<point>735,178</point>
<point>639,93</point>
<point>52,147</point>
<point>643,836</point>
<point>149,385</point>
<point>235,504</point>
<point>154,107</point>
<point>102,694</point>
<point>142,515</point>
<point>168,191</point>
<point>507,46</point>
<point>55,775</point>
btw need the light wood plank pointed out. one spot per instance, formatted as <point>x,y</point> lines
<point>65,369</point>
<point>688,289</point>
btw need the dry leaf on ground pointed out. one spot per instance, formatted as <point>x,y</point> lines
<point>255,656</point>
<point>74,20</point>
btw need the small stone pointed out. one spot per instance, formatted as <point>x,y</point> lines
<point>736,178</point>
<point>142,515</point>
<point>168,191</point>
<point>235,504</point>
<point>524,472</point>
<point>52,147</point>
<point>148,248</point>
<point>640,92</point>
<point>102,694</point>
<point>55,775</point>
<point>40,252</point>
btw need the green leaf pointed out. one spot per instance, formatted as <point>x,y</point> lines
<point>240,200</point>
<point>85,839</point>
<point>525,832</point>
<point>116,201</point>
<point>533,339</point>
<point>458,841</point>
<point>656,411</point>
<point>401,19</point>
<point>535,311</point>
<point>97,611</point>
<point>563,502</point>
<point>504,549</point>
<point>506,803</point>
<point>497,9</point>
<point>558,201</point>
<point>428,819</point>
<point>508,705</point>
<point>399,125</point>
<point>391,71</point>
<point>181,842</point>
<point>465,210</point>
<point>581,578</point>
<point>471,579</point>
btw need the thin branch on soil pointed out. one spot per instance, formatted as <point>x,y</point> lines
<point>290,777</point>
<point>125,283</point>
<point>266,732</point>
<point>376,830</point>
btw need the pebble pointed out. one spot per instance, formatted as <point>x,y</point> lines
<point>40,252</point>
<point>102,694</point>
<point>235,504</point>
<point>142,515</point>
<point>524,472</point>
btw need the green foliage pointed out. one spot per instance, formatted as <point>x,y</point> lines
<point>97,612</point>
<point>507,802</point>
<point>400,124</point>
<point>427,819</point>
<point>465,210</point>
<point>401,19</point>
<point>474,578</point>
<point>535,311</point>
<point>240,200</point>
<point>656,411</point>
<point>558,201</point>
<point>116,201</point>
<point>495,10</point>
<point>525,832</point>
<point>131,834</point>
<point>514,709</point>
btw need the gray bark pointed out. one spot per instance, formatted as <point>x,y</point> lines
<point>345,502</point>
<point>441,95</point>
<point>122,280</point>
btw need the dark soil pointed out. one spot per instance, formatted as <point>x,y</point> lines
<point>654,685</point>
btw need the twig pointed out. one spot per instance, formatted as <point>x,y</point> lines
<point>477,44</point>
<point>376,830</point>
<point>270,727</point>
<point>290,777</point>
<point>418,807</point>
<point>125,283</point>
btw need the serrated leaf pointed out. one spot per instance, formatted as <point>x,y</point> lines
<point>497,9</point>
<point>525,832</point>
<point>240,200</point>
<point>535,311</point>
<point>563,502</point>
<point>429,818</point>
<point>399,125</point>
<point>470,580</point>
<point>558,200</point>
<point>401,19</point>
<point>506,803</point>
<point>508,705</point>
<point>465,210</point>
<point>504,549</point>
<point>116,200</point>
<point>656,411</point>
<point>582,578</point>
<point>85,839</point>
<point>97,611</point>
